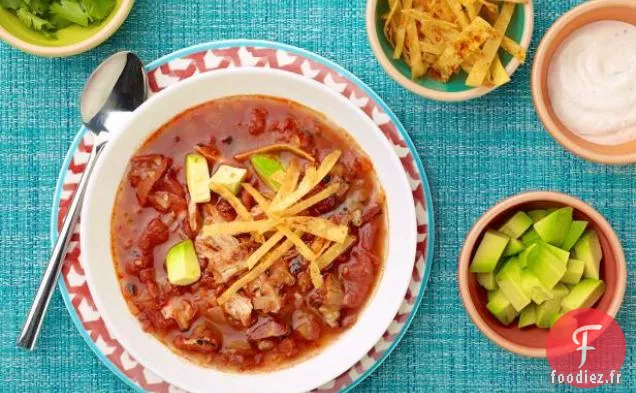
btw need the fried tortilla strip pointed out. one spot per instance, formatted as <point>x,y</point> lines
<point>275,147</point>
<point>512,1</point>
<point>303,249</point>
<point>400,34</point>
<point>481,68</point>
<point>467,42</point>
<point>238,227</point>
<point>259,269</point>
<point>263,249</point>
<point>258,197</point>
<point>392,20</point>
<point>289,183</point>
<point>334,252</point>
<point>236,203</point>
<point>498,73</point>
<point>516,50</point>
<point>418,68</point>
<point>320,227</point>
<point>316,277</point>
<point>426,18</point>
<point>312,200</point>
<point>431,49</point>
<point>319,245</point>
<point>456,7</point>
<point>310,180</point>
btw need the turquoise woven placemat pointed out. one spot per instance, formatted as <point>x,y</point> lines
<point>475,153</point>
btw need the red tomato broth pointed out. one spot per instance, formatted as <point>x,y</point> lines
<point>198,328</point>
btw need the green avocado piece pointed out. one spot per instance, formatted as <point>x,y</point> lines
<point>555,226</point>
<point>266,166</point>
<point>564,256</point>
<point>528,316</point>
<point>547,311</point>
<point>500,307</point>
<point>588,249</point>
<point>530,237</point>
<point>514,247</point>
<point>584,294</point>
<point>197,178</point>
<point>574,273</point>
<point>517,225</point>
<point>537,214</point>
<point>510,283</point>
<point>487,280</point>
<point>539,293</point>
<point>523,256</point>
<point>230,177</point>
<point>489,252</point>
<point>182,264</point>
<point>548,268</point>
<point>559,291</point>
<point>574,234</point>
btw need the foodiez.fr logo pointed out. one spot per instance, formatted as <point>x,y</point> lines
<point>586,348</point>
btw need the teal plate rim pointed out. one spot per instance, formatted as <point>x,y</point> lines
<point>302,52</point>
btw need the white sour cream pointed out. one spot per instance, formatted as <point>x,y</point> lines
<point>592,82</point>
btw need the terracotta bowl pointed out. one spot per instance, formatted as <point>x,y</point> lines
<point>588,12</point>
<point>532,341</point>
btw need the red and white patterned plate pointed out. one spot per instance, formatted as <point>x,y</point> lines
<point>209,57</point>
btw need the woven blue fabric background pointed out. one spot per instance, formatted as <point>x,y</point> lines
<point>475,153</point>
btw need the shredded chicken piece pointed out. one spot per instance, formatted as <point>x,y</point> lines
<point>181,311</point>
<point>265,296</point>
<point>332,301</point>
<point>267,327</point>
<point>240,308</point>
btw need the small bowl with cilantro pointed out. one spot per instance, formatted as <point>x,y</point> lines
<point>531,259</point>
<point>58,28</point>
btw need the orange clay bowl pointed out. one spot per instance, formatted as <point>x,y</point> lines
<point>588,12</point>
<point>532,341</point>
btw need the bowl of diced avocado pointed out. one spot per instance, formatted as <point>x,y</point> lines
<point>58,28</point>
<point>531,259</point>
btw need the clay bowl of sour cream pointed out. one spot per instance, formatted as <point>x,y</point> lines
<point>584,81</point>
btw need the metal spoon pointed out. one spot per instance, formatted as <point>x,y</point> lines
<point>118,86</point>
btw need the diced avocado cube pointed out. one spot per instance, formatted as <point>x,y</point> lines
<point>182,264</point>
<point>500,307</point>
<point>559,291</point>
<point>487,280</point>
<point>528,316</point>
<point>523,256</point>
<point>517,225</point>
<point>510,283</point>
<point>230,177</point>
<point>584,294</point>
<point>547,311</point>
<point>555,226</point>
<point>268,168</point>
<point>555,318</point>
<point>551,210</point>
<point>564,256</point>
<point>546,266</point>
<point>575,271</point>
<point>489,252</point>
<point>574,234</point>
<point>514,247</point>
<point>588,249</point>
<point>537,215</point>
<point>538,292</point>
<point>530,237</point>
<point>197,177</point>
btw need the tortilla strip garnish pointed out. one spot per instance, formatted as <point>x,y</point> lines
<point>236,203</point>
<point>275,147</point>
<point>392,19</point>
<point>498,73</point>
<point>311,180</point>
<point>418,68</point>
<point>263,249</point>
<point>314,274</point>
<point>334,252</point>
<point>516,50</point>
<point>426,18</point>
<point>259,269</point>
<point>289,183</point>
<point>467,42</point>
<point>481,68</point>
<point>258,197</point>
<point>320,227</point>
<point>238,227</point>
<point>303,249</point>
<point>400,35</point>
<point>312,200</point>
<point>456,7</point>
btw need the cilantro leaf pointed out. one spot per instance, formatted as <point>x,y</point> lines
<point>33,21</point>
<point>11,4</point>
<point>98,9</point>
<point>71,11</point>
<point>38,7</point>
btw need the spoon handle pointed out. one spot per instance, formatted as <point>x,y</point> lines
<point>31,329</point>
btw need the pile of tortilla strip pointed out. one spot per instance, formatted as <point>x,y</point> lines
<point>281,228</point>
<point>440,37</point>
